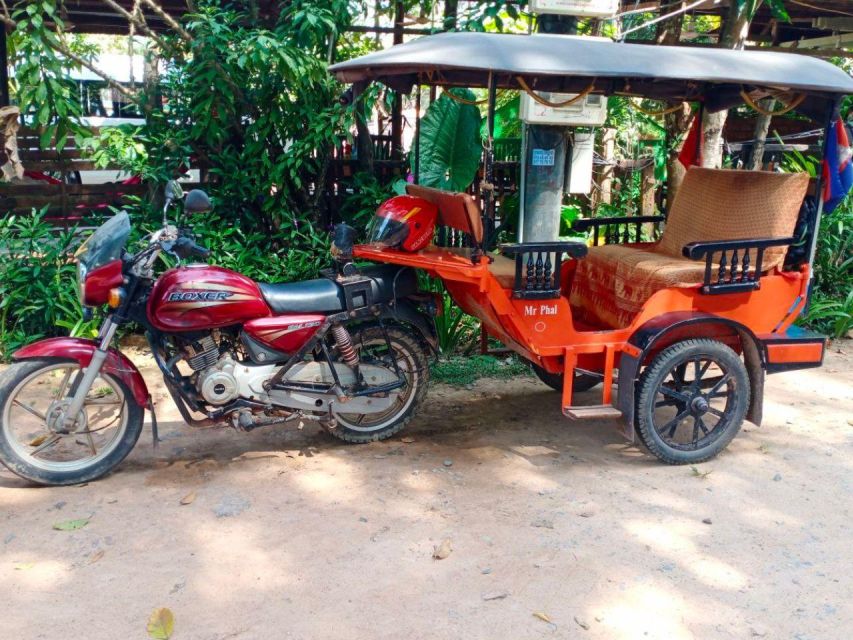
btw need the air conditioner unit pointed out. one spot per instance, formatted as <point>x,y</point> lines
<point>589,112</point>
<point>584,8</point>
<point>580,169</point>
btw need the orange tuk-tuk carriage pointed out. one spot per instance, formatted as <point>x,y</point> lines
<point>684,325</point>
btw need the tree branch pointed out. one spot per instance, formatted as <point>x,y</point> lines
<point>185,36</point>
<point>61,48</point>
<point>140,23</point>
<point>7,17</point>
<point>169,20</point>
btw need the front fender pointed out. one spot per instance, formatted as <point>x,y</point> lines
<point>651,333</point>
<point>81,350</point>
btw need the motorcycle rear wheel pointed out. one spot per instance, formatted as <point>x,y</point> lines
<point>32,395</point>
<point>412,358</point>
<point>582,381</point>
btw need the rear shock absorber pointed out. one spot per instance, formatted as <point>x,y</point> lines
<point>346,349</point>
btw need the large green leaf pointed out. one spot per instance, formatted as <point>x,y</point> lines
<point>507,116</point>
<point>777,8</point>
<point>450,146</point>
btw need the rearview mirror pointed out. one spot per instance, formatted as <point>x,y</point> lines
<point>197,202</point>
<point>173,191</point>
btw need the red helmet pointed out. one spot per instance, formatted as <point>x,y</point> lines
<point>403,222</point>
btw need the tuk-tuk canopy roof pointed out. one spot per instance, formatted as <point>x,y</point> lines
<point>570,63</point>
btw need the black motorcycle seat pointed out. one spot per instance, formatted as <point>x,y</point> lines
<point>326,296</point>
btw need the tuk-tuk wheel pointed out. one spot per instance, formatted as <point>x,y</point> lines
<point>691,401</point>
<point>582,381</point>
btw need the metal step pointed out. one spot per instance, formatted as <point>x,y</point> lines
<point>593,412</point>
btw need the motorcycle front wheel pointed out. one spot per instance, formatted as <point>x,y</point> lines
<point>35,445</point>
<point>411,356</point>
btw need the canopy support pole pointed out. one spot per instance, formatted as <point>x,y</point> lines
<point>417,147</point>
<point>832,114</point>
<point>363,141</point>
<point>397,105</point>
<point>487,187</point>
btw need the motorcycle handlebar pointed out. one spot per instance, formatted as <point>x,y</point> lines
<point>186,247</point>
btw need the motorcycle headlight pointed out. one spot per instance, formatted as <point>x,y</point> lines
<point>81,282</point>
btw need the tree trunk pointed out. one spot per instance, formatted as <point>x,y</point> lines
<point>647,189</point>
<point>712,144</point>
<point>363,143</point>
<point>678,123</point>
<point>152,101</point>
<point>735,30</point>
<point>397,151</point>
<point>451,8</point>
<point>608,144</point>
<point>762,127</point>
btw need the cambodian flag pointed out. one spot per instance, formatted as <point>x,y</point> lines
<point>837,167</point>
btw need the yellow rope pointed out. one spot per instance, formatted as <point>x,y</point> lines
<point>554,105</point>
<point>793,104</point>
<point>461,100</point>
<point>649,112</point>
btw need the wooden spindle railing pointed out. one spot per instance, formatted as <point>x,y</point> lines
<point>538,266</point>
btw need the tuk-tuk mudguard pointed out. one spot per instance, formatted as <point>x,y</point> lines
<point>405,311</point>
<point>81,350</point>
<point>645,338</point>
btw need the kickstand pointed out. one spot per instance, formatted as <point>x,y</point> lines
<point>154,433</point>
<point>331,423</point>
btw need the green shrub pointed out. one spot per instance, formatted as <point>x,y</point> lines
<point>831,307</point>
<point>38,295</point>
<point>457,331</point>
<point>296,253</point>
<point>38,282</point>
<point>833,317</point>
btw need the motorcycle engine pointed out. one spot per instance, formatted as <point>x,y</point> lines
<point>215,381</point>
<point>202,353</point>
<point>217,384</point>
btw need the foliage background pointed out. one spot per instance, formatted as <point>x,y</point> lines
<point>249,97</point>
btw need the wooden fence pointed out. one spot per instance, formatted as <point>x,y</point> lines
<point>53,183</point>
<point>67,201</point>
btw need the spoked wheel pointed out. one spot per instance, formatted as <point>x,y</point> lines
<point>410,357</point>
<point>38,444</point>
<point>582,381</point>
<point>691,401</point>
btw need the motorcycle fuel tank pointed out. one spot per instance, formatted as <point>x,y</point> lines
<point>200,297</point>
<point>285,333</point>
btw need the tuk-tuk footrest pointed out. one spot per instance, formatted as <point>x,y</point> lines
<point>593,412</point>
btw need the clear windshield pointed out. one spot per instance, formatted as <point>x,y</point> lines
<point>106,243</point>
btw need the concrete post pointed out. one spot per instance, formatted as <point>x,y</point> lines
<point>544,181</point>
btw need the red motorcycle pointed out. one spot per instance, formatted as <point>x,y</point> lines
<point>348,350</point>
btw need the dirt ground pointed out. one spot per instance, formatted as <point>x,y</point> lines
<point>557,529</point>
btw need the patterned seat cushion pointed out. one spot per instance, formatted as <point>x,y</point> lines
<point>613,282</point>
